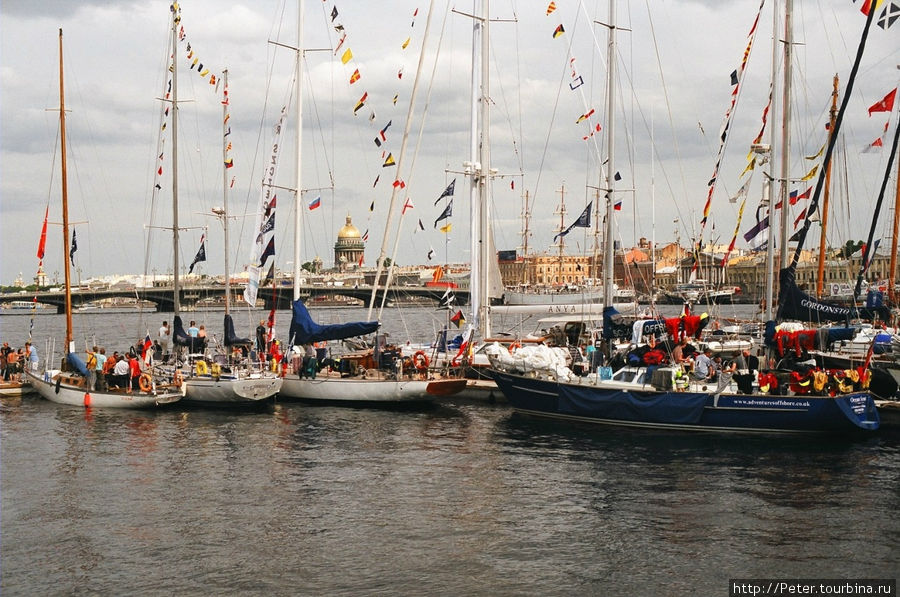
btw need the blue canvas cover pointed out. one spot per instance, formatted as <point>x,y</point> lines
<point>622,405</point>
<point>76,362</point>
<point>230,338</point>
<point>306,331</point>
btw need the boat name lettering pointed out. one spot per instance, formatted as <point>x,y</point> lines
<point>816,306</point>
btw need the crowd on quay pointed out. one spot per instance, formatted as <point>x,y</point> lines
<point>13,361</point>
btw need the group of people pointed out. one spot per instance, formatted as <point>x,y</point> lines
<point>114,371</point>
<point>705,366</point>
<point>12,361</point>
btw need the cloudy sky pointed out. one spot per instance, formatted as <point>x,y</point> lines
<point>675,57</point>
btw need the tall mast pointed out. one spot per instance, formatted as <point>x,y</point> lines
<point>225,195</point>
<point>175,259</point>
<point>769,186</point>
<point>561,244</point>
<point>892,274</point>
<point>820,278</point>
<point>475,288</point>
<point>609,257</point>
<point>65,196</point>
<point>786,134</point>
<point>526,218</point>
<point>483,319</point>
<point>298,106</point>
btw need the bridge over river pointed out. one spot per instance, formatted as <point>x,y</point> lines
<point>164,297</point>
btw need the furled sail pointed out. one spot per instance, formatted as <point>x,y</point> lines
<point>305,331</point>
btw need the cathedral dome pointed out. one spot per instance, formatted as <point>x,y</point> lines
<point>349,231</point>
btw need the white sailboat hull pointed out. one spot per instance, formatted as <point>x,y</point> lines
<point>205,389</point>
<point>74,394</point>
<point>367,390</point>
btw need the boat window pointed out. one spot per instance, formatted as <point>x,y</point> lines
<point>624,376</point>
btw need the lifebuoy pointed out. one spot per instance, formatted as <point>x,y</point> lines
<point>145,382</point>
<point>202,367</point>
<point>420,360</point>
<point>176,378</point>
<point>216,370</point>
<point>514,346</point>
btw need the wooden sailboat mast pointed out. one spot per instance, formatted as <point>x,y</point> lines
<point>65,196</point>
<point>820,278</point>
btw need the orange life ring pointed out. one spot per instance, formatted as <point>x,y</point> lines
<point>514,346</point>
<point>176,378</point>
<point>420,360</point>
<point>145,382</point>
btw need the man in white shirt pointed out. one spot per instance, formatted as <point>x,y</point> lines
<point>164,334</point>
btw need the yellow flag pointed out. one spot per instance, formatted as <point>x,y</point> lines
<point>811,173</point>
<point>406,43</point>
<point>204,72</point>
<point>389,161</point>
<point>345,58</point>
<point>819,153</point>
<point>446,228</point>
<point>749,167</point>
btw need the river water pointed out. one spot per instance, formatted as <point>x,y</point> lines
<point>460,498</point>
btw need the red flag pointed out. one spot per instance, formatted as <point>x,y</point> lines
<point>407,205</point>
<point>800,218</point>
<point>886,104</point>
<point>43,242</point>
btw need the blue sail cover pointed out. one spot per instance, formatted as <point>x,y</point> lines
<point>793,303</point>
<point>230,338</point>
<point>76,362</point>
<point>179,336</point>
<point>306,331</point>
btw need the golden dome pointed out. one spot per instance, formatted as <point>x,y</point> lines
<point>348,231</point>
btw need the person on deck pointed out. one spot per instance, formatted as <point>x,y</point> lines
<point>120,372</point>
<point>704,367</point>
<point>31,355</point>
<point>91,366</point>
<point>100,382</point>
<point>261,337</point>
<point>165,334</point>
<point>134,369</point>
<point>747,369</point>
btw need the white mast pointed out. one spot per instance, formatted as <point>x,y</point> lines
<point>484,319</point>
<point>769,187</point>
<point>298,106</point>
<point>786,135</point>
<point>475,288</point>
<point>609,257</point>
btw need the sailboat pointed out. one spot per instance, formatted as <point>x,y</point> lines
<point>217,380</point>
<point>662,397</point>
<point>377,375</point>
<point>69,384</point>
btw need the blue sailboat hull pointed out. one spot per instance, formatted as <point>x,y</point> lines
<point>695,411</point>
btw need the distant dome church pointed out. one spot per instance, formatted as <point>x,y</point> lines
<point>349,248</point>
